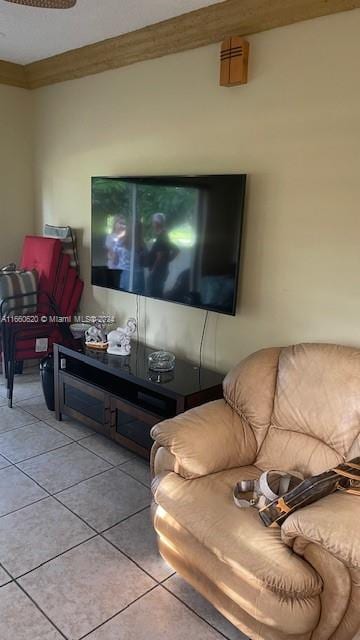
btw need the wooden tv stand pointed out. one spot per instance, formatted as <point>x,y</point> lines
<point>121,398</point>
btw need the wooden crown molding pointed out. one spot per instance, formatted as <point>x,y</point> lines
<point>13,74</point>
<point>188,31</point>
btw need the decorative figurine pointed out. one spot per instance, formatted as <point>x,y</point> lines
<point>95,337</point>
<point>120,339</point>
<point>95,334</point>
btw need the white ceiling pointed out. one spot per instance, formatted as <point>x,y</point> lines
<point>28,33</point>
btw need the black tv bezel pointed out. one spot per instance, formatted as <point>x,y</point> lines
<point>238,239</point>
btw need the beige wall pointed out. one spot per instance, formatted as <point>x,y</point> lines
<point>294,129</point>
<point>16,171</point>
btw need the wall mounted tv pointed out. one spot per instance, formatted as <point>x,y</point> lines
<point>174,238</point>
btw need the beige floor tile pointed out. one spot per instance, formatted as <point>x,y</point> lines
<point>4,463</point>
<point>107,449</point>
<point>29,375</point>
<point>71,428</point>
<point>23,443</point>
<point>38,533</point>
<point>4,577</point>
<point>202,607</point>
<point>106,499</point>
<point>37,407</point>
<point>156,616</point>
<point>136,537</point>
<point>14,418</point>
<point>85,586</point>
<point>20,619</point>
<point>17,490</point>
<point>26,389</point>
<point>63,467</point>
<point>138,469</point>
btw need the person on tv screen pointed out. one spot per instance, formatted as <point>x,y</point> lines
<point>111,243</point>
<point>162,252</point>
<point>140,259</point>
<point>133,257</point>
<point>118,252</point>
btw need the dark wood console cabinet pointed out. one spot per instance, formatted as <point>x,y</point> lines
<point>121,398</point>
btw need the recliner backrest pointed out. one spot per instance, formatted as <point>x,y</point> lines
<point>302,402</point>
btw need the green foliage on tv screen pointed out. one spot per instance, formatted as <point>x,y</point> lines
<point>113,198</point>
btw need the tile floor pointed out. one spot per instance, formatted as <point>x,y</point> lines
<point>78,556</point>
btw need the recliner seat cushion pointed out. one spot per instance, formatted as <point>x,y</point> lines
<point>257,561</point>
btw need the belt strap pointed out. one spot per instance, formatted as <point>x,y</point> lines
<point>262,493</point>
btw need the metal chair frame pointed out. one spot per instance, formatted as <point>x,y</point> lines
<point>9,331</point>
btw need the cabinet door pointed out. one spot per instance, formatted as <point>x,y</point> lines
<point>85,402</point>
<point>130,426</point>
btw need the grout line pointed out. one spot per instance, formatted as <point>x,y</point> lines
<point>119,612</point>
<point>22,426</point>
<point>129,557</point>
<point>9,461</point>
<point>193,611</point>
<point>17,406</point>
<point>58,555</point>
<point>15,581</point>
<point>97,533</point>
<point>44,453</point>
<point>40,609</point>
<point>16,462</point>
<point>99,456</point>
<point>9,513</point>
<point>168,577</point>
<point>7,573</point>
<point>123,520</point>
<point>45,420</point>
<point>50,495</point>
<point>53,494</point>
<point>86,435</point>
<point>101,535</point>
<point>148,486</point>
<point>18,403</point>
<point>95,475</point>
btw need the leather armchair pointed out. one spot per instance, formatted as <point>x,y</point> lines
<point>293,408</point>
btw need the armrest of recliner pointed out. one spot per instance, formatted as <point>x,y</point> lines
<point>206,439</point>
<point>332,523</point>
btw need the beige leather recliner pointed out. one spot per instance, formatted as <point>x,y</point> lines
<point>284,408</point>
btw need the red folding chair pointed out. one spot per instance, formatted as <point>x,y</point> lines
<point>58,295</point>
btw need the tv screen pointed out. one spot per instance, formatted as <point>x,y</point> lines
<point>170,238</point>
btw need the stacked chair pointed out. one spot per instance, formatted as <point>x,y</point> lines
<point>32,321</point>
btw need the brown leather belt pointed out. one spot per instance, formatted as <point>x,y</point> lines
<point>345,477</point>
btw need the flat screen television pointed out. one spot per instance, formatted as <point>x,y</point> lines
<point>174,238</point>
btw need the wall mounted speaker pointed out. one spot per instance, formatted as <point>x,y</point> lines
<point>234,58</point>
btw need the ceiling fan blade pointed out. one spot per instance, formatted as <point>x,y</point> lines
<point>46,4</point>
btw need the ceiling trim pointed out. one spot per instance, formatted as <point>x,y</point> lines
<point>13,74</point>
<point>191,30</point>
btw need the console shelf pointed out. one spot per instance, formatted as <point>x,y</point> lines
<point>121,398</point>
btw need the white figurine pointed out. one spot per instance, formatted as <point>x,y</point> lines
<point>119,340</point>
<point>94,334</point>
